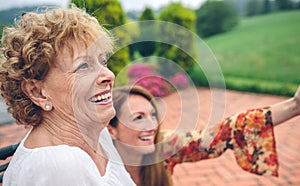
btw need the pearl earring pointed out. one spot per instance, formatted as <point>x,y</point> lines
<point>48,107</point>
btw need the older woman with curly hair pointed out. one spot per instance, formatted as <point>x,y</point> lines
<point>55,79</point>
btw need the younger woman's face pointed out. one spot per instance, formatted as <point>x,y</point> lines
<point>137,126</point>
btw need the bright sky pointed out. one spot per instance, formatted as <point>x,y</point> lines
<point>126,4</point>
<point>155,4</point>
<point>7,4</point>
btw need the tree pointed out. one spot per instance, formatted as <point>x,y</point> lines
<point>266,7</point>
<point>185,17</point>
<point>110,14</point>
<point>145,48</point>
<point>283,4</point>
<point>215,17</point>
<point>147,14</point>
<point>253,7</point>
<point>178,14</point>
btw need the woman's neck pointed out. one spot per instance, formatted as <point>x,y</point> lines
<point>53,132</point>
<point>132,161</point>
<point>135,173</point>
<point>128,154</point>
<point>68,131</point>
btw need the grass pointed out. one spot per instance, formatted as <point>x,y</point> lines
<point>262,51</point>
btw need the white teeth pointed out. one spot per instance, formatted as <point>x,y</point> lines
<point>146,138</point>
<point>93,99</point>
<point>100,97</point>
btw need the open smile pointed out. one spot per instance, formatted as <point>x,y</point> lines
<point>102,98</point>
<point>146,138</point>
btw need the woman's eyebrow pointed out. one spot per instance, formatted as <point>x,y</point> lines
<point>81,57</point>
<point>102,55</point>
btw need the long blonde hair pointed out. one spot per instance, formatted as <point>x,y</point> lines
<point>151,174</point>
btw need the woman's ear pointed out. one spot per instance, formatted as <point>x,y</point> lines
<point>113,132</point>
<point>33,89</point>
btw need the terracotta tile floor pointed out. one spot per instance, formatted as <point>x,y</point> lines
<point>222,170</point>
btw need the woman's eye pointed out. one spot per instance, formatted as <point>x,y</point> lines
<point>153,114</point>
<point>137,118</point>
<point>103,62</point>
<point>82,66</point>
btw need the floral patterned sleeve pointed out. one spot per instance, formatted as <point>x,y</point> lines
<point>249,134</point>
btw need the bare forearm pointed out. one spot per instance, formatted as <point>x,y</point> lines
<point>285,110</point>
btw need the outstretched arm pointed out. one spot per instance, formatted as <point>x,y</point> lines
<point>249,133</point>
<point>286,110</point>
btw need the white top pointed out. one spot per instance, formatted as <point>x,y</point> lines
<point>65,165</point>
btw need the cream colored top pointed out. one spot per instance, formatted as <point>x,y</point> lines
<point>65,165</point>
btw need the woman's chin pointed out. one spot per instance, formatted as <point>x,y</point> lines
<point>106,116</point>
<point>146,149</point>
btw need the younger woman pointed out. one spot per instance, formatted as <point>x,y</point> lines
<point>150,155</point>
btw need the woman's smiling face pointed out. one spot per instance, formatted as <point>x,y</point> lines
<point>80,85</point>
<point>137,125</point>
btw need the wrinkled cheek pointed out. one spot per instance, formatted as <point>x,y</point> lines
<point>61,99</point>
<point>79,106</point>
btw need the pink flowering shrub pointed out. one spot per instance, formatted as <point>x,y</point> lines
<point>155,84</point>
<point>139,70</point>
<point>145,76</point>
<point>179,81</point>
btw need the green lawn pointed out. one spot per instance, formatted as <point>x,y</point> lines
<point>262,54</point>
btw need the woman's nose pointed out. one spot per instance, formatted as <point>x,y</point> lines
<point>151,124</point>
<point>106,76</point>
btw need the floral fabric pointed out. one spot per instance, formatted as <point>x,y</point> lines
<point>249,134</point>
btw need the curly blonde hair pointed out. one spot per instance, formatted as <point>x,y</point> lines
<point>31,47</point>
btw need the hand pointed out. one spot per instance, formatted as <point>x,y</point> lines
<point>287,109</point>
<point>297,99</point>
